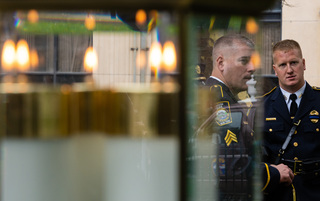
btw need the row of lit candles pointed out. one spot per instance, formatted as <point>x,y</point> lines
<point>20,58</point>
<point>161,59</point>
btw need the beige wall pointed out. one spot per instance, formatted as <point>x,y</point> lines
<point>301,22</point>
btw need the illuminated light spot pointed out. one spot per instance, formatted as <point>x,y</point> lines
<point>65,89</point>
<point>169,56</point>
<point>141,59</point>
<point>33,16</point>
<point>23,55</point>
<point>169,87</point>
<point>8,55</point>
<point>155,58</point>
<point>90,22</point>
<point>252,27</point>
<point>34,59</point>
<point>90,59</point>
<point>153,14</point>
<point>8,79</point>
<point>256,60</point>
<point>22,78</point>
<point>141,17</point>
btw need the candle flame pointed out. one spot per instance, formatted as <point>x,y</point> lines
<point>155,54</point>
<point>169,56</point>
<point>90,59</point>
<point>8,55</point>
<point>155,57</point>
<point>23,55</point>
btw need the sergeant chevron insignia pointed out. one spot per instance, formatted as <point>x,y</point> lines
<point>230,137</point>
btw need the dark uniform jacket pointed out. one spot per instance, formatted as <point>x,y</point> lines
<point>233,165</point>
<point>302,154</point>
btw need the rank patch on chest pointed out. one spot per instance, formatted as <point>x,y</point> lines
<point>230,137</point>
<point>314,116</point>
<point>223,113</point>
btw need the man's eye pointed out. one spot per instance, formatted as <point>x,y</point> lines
<point>293,63</point>
<point>244,61</point>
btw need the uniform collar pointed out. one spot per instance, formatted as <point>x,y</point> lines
<point>299,93</point>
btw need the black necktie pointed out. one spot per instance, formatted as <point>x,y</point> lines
<point>294,106</point>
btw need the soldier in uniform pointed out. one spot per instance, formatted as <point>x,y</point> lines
<point>291,129</point>
<point>232,68</point>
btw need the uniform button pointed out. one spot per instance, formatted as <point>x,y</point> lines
<point>295,144</point>
<point>295,132</point>
<point>317,129</point>
<point>295,158</point>
<point>270,130</point>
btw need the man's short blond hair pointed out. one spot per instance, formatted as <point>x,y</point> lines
<point>286,45</point>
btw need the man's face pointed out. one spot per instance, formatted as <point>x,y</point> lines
<point>238,68</point>
<point>289,66</point>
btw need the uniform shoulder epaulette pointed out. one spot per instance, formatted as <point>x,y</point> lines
<point>217,88</point>
<point>266,94</point>
<point>316,88</point>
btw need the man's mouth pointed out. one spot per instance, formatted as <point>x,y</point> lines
<point>291,77</point>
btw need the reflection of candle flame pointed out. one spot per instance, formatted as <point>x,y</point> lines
<point>8,55</point>
<point>169,56</point>
<point>256,60</point>
<point>34,59</point>
<point>155,57</point>
<point>33,16</point>
<point>141,59</point>
<point>252,27</point>
<point>90,22</point>
<point>141,17</point>
<point>90,59</point>
<point>22,54</point>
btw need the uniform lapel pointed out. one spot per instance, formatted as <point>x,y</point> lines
<point>280,106</point>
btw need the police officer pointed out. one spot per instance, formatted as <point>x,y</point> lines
<point>232,68</point>
<point>291,129</point>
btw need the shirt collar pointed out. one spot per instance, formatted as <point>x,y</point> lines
<point>299,93</point>
<point>217,79</point>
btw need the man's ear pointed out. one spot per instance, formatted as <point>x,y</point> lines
<point>220,63</point>
<point>274,69</point>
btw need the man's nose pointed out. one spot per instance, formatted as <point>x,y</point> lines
<point>251,67</point>
<point>289,68</point>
